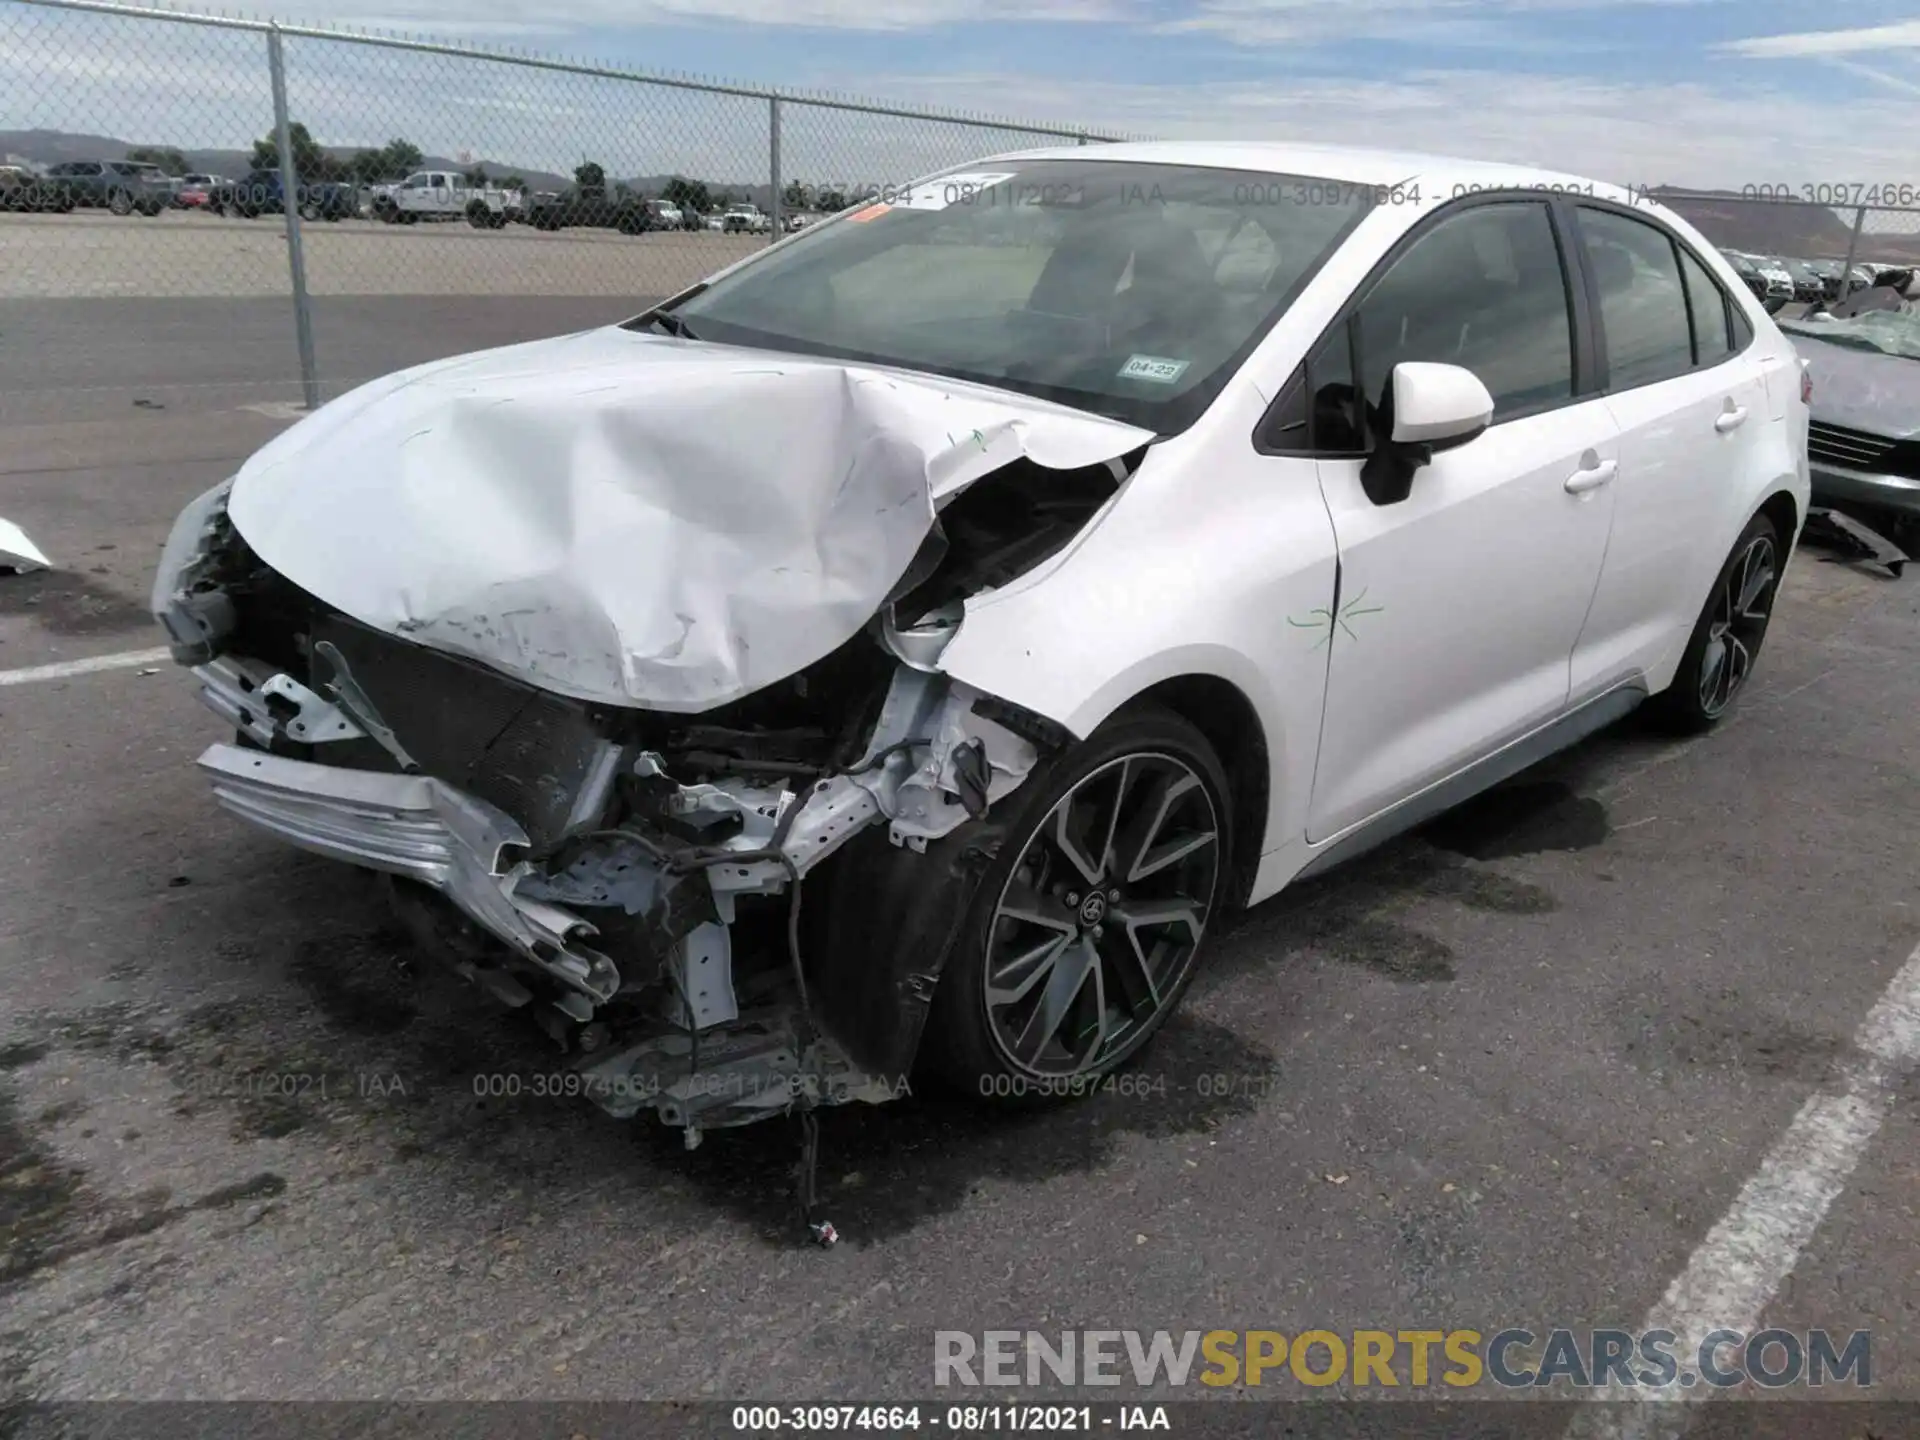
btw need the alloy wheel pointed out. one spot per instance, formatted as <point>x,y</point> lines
<point>1741,611</point>
<point>1099,923</point>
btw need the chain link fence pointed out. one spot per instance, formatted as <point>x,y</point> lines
<point>1809,244</point>
<point>445,198</point>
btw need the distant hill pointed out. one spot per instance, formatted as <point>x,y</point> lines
<point>53,147</point>
<point>1796,231</point>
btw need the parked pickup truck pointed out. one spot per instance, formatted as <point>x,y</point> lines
<point>746,219</point>
<point>447,195</point>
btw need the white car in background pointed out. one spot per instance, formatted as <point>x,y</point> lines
<point>1028,607</point>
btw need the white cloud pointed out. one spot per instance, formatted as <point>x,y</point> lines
<point>1879,77</point>
<point>1471,22</point>
<point>1626,133</point>
<point>509,17</point>
<point>1902,36</point>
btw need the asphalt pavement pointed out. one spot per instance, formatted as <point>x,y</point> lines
<point>1516,1070</point>
<point>111,360</point>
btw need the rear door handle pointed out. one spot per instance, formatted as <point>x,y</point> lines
<point>1731,418</point>
<point>1592,477</point>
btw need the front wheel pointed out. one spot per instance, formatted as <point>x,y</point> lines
<point>1086,928</point>
<point>1726,640</point>
<point>120,203</point>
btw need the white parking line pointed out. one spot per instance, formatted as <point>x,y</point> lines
<point>1741,1264</point>
<point>120,660</point>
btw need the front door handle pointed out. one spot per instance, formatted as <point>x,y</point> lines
<point>1592,477</point>
<point>1730,418</point>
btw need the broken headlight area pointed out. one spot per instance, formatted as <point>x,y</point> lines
<point>633,879</point>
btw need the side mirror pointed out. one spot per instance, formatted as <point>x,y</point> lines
<point>1427,408</point>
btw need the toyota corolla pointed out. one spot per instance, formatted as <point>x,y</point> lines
<point>901,649</point>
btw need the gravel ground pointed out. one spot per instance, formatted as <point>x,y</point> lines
<point>91,254</point>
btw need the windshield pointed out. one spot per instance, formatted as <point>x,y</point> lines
<point>1129,290</point>
<point>1890,332</point>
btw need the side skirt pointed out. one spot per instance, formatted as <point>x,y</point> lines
<point>1529,750</point>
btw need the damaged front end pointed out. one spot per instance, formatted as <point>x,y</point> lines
<point>633,877</point>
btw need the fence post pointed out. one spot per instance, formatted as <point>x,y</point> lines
<point>1853,249</point>
<point>290,209</point>
<point>773,167</point>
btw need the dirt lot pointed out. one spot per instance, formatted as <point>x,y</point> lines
<point>179,254</point>
<point>1517,1070</point>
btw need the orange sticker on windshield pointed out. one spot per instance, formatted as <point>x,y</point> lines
<point>872,212</point>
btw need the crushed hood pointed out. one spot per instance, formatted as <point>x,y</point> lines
<point>1862,389</point>
<point>630,518</point>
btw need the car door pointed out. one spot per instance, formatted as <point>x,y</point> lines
<point>1683,382</point>
<point>1457,608</point>
<point>89,177</point>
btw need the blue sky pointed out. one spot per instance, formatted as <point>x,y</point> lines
<point>1700,92</point>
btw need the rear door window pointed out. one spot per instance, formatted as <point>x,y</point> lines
<point>1707,304</point>
<point>1644,319</point>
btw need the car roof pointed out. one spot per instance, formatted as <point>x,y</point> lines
<point>1353,164</point>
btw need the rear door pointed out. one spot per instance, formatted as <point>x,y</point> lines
<point>1685,383</point>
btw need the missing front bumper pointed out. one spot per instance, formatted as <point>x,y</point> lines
<point>421,829</point>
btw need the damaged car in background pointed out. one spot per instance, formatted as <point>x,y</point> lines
<point>1864,436</point>
<point>900,650</point>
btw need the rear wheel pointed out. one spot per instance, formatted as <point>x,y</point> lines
<point>120,203</point>
<point>1085,931</point>
<point>1726,640</point>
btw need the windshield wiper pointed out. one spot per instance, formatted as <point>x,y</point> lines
<point>671,323</point>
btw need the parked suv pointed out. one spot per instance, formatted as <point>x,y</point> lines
<point>593,209</point>
<point>260,193</point>
<point>1808,285</point>
<point>122,186</point>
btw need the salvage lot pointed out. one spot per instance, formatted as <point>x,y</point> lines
<point>1511,1071</point>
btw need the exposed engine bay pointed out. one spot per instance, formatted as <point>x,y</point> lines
<point>633,878</point>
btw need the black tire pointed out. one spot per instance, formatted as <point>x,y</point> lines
<point>1725,645</point>
<point>120,203</point>
<point>478,216</point>
<point>1120,772</point>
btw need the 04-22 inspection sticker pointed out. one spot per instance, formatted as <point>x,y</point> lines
<point>1156,368</point>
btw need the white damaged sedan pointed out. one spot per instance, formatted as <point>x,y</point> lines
<point>1027,567</point>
